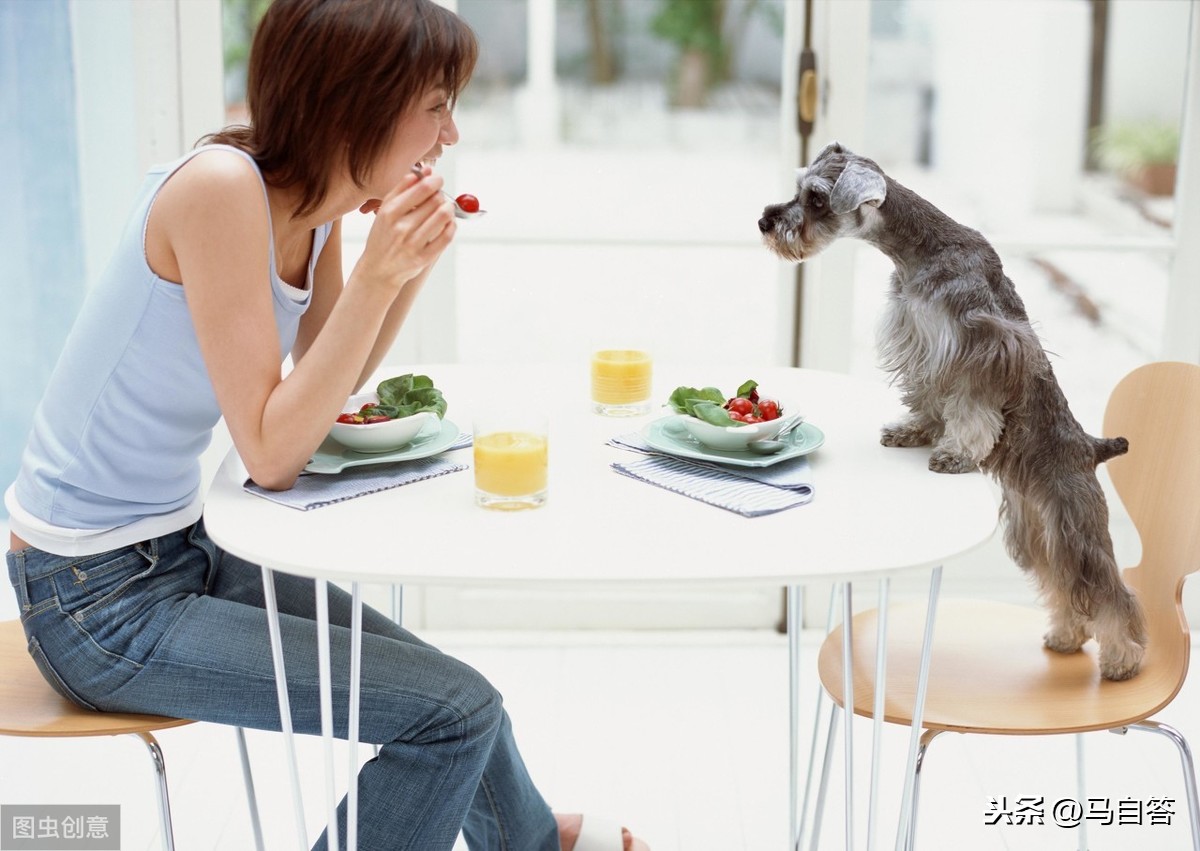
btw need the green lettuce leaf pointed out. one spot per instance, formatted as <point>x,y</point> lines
<point>406,395</point>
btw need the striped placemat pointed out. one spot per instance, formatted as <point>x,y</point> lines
<point>748,491</point>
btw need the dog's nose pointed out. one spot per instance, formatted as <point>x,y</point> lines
<point>764,224</point>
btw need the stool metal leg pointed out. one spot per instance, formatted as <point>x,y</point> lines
<point>164,799</point>
<point>1189,770</point>
<point>251,798</point>
<point>910,840</point>
<point>1081,791</point>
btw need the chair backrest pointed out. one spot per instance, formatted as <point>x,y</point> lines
<point>1157,407</point>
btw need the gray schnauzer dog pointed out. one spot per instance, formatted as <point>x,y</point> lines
<point>979,390</point>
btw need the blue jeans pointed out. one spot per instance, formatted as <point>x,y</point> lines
<point>176,626</point>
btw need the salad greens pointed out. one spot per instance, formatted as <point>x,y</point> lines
<point>406,395</point>
<point>708,403</point>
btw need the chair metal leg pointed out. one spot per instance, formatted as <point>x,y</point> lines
<point>251,798</point>
<point>1081,790</point>
<point>910,840</point>
<point>1189,770</point>
<point>164,799</point>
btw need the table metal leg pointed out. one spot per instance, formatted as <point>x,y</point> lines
<point>795,602</point>
<point>398,604</point>
<point>798,833</point>
<point>935,583</point>
<point>355,702</point>
<point>880,703</point>
<point>848,691</point>
<point>326,687</point>
<point>285,709</point>
<point>835,713</point>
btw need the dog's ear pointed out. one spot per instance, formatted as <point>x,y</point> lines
<point>858,184</point>
<point>831,148</point>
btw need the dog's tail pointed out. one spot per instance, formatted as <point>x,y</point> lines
<point>1106,448</point>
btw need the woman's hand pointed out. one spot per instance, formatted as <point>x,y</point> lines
<point>413,225</point>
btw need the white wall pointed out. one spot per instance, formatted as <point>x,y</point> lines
<point>1147,54</point>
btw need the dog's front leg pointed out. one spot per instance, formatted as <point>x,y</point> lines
<point>972,429</point>
<point>914,430</point>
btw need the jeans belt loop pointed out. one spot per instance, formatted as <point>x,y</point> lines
<point>22,588</point>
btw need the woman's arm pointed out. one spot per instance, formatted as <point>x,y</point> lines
<point>327,286</point>
<point>214,221</point>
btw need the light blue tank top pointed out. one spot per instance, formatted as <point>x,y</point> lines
<point>130,407</point>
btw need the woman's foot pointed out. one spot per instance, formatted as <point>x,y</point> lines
<point>570,825</point>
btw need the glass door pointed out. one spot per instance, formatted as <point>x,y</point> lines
<point>1055,130</point>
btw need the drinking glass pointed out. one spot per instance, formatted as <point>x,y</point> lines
<point>511,460</point>
<point>621,381</point>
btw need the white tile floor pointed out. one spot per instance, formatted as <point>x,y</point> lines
<point>681,735</point>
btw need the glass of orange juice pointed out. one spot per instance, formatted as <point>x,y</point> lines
<point>621,382</point>
<point>512,460</point>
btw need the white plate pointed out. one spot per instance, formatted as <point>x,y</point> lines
<point>332,457</point>
<point>667,435</point>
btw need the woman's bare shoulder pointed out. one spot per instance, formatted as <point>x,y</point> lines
<point>214,175</point>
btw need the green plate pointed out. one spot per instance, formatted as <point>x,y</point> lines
<point>332,457</point>
<point>667,436</point>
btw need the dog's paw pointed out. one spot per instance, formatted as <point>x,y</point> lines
<point>1120,660</point>
<point>1064,642</point>
<point>904,435</point>
<point>942,461</point>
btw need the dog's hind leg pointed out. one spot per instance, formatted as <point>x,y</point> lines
<point>1082,565</point>
<point>1025,540</point>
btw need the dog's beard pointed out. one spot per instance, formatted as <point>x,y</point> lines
<point>783,243</point>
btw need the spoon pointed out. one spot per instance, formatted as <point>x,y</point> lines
<point>776,444</point>
<point>459,212</point>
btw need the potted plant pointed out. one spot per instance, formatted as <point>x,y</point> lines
<point>1143,153</point>
<point>695,27</point>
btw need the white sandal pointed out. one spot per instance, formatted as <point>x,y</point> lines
<point>599,834</point>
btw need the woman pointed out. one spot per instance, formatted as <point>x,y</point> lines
<point>230,262</point>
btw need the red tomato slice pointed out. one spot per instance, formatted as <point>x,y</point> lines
<point>467,203</point>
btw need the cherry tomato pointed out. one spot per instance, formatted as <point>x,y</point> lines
<point>349,419</point>
<point>740,405</point>
<point>752,419</point>
<point>467,203</point>
<point>376,418</point>
<point>768,409</point>
<point>734,415</point>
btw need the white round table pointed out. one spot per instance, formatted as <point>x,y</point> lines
<point>876,511</point>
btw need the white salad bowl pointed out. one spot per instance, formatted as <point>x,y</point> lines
<point>378,437</point>
<point>732,438</point>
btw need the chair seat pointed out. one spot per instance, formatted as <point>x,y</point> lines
<point>990,673</point>
<point>30,707</point>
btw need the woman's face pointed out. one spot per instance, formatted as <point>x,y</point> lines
<point>418,138</point>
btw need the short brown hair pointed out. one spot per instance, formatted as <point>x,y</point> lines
<point>334,76</point>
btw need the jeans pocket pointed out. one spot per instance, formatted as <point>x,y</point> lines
<point>99,580</point>
<point>51,676</point>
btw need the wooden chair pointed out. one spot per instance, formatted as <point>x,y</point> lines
<point>30,707</point>
<point>989,671</point>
